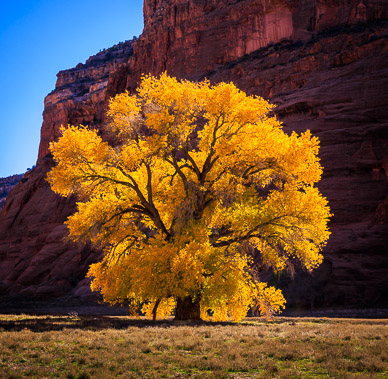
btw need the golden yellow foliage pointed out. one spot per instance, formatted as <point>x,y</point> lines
<point>200,183</point>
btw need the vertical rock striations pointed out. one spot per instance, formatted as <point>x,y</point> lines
<point>189,38</point>
<point>324,65</point>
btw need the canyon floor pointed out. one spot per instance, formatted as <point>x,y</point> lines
<point>74,346</point>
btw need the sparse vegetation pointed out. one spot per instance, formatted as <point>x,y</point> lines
<point>104,347</point>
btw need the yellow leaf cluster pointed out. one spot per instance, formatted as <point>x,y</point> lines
<point>269,301</point>
<point>196,172</point>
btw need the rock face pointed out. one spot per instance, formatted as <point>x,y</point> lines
<point>35,259</point>
<point>80,94</point>
<point>190,38</point>
<point>324,65</point>
<point>6,185</point>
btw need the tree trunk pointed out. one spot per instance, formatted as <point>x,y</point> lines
<point>186,309</point>
<point>155,309</point>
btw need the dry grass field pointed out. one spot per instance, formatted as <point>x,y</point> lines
<point>106,346</point>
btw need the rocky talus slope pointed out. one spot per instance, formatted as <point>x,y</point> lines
<point>324,65</point>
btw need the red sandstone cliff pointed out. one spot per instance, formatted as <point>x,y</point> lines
<point>323,63</point>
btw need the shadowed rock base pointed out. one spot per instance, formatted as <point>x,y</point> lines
<point>187,309</point>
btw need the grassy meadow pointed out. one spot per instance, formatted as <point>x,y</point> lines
<point>116,346</point>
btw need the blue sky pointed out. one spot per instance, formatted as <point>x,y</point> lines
<point>38,38</point>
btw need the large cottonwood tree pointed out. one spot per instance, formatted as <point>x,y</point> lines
<point>199,191</point>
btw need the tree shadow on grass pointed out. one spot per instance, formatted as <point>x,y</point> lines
<point>40,324</point>
<point>94,323</point>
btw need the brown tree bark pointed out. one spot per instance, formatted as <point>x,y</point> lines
<point>155,309</point>
<point>186,309</point>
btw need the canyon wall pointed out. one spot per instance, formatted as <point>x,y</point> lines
<point>322,62</point>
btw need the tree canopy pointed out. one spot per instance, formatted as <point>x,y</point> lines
<point>197,192</point>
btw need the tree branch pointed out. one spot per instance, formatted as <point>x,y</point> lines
<point>245,237</point>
